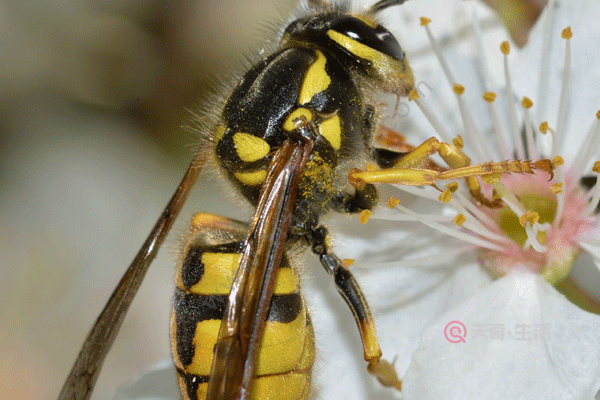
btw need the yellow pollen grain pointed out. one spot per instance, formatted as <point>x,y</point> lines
<point>544,127</point>
<point>413,95</point>
<point>458,88</point>
<point>526,102</point>
<point>489,97</point>
<point>458,142</point>
<point>566,33</point>
<point>505,47</point>
<point>371,167</point>
<point>596,167</point>
<point>392,202</point>
<point>364,216</point>
<point>558,161</point>
<point>452,186</point>
<point>445,197</point>
<point>557,188</point>
<point>347,262</point>
<point>491,178</point>
<point>425,21</point>
<point>459,219</point>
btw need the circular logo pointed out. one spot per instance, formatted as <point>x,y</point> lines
<point>455,332</point>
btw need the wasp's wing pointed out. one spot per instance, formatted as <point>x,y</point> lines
<point>85,371</point>
<point>241,330</point>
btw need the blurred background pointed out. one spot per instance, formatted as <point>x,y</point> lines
<point>92,96</point>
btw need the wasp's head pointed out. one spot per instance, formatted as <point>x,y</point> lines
<point>359,42</point>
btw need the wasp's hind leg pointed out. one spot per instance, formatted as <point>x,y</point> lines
<point>348,287</point>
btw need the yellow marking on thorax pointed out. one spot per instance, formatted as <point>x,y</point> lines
<point>249,147</point>
<point>251,178</point>
<point>357,48</point>
<point>331,130</point>
<point>316,79</point>
<point>289,124</point>
<point>219,273</point>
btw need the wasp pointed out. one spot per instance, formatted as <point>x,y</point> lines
<point>287,137</point>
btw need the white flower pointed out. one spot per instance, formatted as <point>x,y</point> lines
<point>523,339</point>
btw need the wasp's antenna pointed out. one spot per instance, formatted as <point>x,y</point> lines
<point>383,4</point>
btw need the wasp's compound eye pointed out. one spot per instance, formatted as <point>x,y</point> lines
<point>372,35</point>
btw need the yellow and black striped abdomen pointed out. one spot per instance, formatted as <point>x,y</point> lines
<point>203,282</point>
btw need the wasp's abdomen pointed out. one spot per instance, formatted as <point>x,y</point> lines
<point>203,281</point>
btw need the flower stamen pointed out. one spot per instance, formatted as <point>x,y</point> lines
<point>470,128</point>
<point>435,123</point>
<point>489,97</point>
<point>532,147</point>
<point>512,111</point>
<point>562,105</point>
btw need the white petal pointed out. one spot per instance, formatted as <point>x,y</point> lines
<point>518,366</point>
<point>340,371</point>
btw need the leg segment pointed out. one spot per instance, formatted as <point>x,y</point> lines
<point>408,169</point>
<point>348,287</point>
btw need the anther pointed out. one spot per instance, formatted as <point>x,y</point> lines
<point>425,21</point>
<point>458,88</point>
<point>566,33</point>
<point>526,102</point>
<point>413,95</point>
<point>558,161</point>
<point>489,97</point>
<point>557,188</point>
<point>445,197</point>
<point>364,216</point>
<point>459,219</point>
<point>505,47</point>
<point>452,186</point>
<point>458,142</point>
<point>392,202</point>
